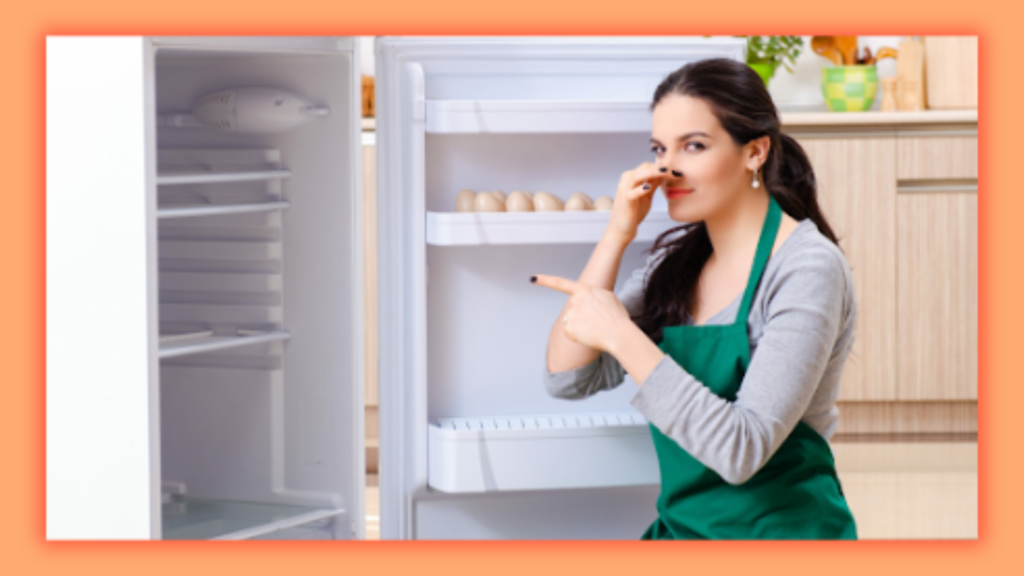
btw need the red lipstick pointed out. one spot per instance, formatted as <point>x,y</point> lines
<point>672,193</point>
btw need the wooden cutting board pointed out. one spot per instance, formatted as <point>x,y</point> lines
<point>951,69</point>
<point>910,89</point>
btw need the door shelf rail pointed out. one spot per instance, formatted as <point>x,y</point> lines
<point>173,345</point>
<point>540,452</point>
<point>484,228</point>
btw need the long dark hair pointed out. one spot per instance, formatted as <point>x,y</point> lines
<point>740,101</point>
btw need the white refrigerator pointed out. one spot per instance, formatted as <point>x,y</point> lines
<point>204,285</point>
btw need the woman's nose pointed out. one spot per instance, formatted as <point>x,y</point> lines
<point>665,169</point>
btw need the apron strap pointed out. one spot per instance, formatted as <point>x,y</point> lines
<point>764,249</point>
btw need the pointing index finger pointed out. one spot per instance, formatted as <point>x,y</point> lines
<point>556,283</point>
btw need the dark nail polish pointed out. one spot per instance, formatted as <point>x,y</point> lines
<point>662,169</point>
<point>647,186</point>
<point>533,279</point>
<point>676,174</point>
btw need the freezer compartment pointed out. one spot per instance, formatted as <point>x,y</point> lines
<point>538,452</point>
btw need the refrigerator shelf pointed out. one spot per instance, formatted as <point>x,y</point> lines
<point>536,116</point>
<point>215,210</point>
<point>181,177</point>
<point>483,228</point>
<point>173,345</point>
<point>208,519</point>
<point>540,452</point>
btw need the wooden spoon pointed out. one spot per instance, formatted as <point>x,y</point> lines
<point>825,46</point>
<point>847,46</point>
<point>886,52</point>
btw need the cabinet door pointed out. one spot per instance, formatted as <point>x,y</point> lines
<point>938,295</point>
<point>924,157</point>
<point>857,192</point>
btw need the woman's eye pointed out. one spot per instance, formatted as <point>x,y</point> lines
<point>658,150</point>
<point>698,144</point>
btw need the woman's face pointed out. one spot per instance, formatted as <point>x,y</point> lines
<point>687,138</point>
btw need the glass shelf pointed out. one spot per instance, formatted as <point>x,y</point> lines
<point>203,519</point>
<point>184,344</point>
<point>182,177</point>
<point>214,210</point>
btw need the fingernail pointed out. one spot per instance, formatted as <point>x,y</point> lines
<point>647,186</point>
<point>533,279</point>
<point>662,169</point>
<point>676,174</point>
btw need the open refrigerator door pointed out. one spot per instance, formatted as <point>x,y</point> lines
<point>472,446</point>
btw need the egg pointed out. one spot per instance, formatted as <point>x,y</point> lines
<point>604,203</point>
<point>546,202</point>
<point>488,203</point>
<point>588,204</point>
<point>465,201</point>
<point>499,195</point>
<point>528,194</point>
<point>576,204</point>
<point>518,202</point>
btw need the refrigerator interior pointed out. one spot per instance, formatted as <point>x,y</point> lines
<point>485,452</point>
<point>259,317</point>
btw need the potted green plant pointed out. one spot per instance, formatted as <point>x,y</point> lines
<point>766,53</point>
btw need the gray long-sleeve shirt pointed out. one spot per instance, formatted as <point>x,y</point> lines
<point>801,329</point>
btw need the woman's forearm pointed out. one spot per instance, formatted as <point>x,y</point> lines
<point>601,271</point>
<point>637,353</point>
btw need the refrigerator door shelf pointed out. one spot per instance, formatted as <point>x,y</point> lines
<point>535,116</point>
<point>481,228</point>
<point>540,452</point>
<point>207,519</point>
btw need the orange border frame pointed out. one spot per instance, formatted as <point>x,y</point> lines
<point>22,245</point>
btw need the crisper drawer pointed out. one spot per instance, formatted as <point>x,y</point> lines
<point>935,157</point>
<point>536,452</point>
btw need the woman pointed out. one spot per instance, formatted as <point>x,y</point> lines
<point>736,329</point>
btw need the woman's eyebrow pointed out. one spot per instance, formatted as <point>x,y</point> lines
<point>683,137</point>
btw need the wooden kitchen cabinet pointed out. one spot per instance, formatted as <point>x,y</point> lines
<point>856,178</point>
<point>938,157</point>
<point>937,321</point>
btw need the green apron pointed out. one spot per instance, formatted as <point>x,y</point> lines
<point>796,495</point>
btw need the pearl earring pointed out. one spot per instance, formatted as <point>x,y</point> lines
<point>755,183</point>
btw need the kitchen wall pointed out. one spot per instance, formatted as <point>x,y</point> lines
<point>799,89</point>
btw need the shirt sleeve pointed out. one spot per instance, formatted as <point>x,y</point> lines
<point>604,372</point>
<point>804,313</point>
